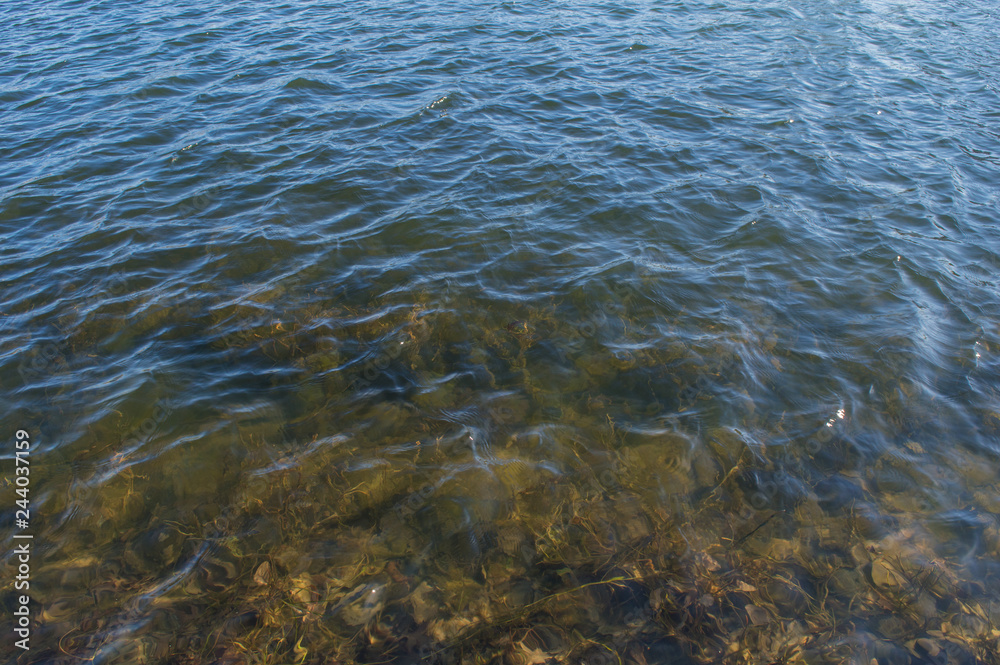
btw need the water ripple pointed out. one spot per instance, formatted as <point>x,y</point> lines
<point>447,273</point>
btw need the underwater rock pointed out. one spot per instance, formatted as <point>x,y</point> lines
<point>263,574</point>
<point>758,615</point>
<point>969,626</point>
<point>512,540</point>
<point>362,604</point>
<point>306,597</point>
<point>838,492</point>
<point>892,627</point>
<point>707,471</point>
<point>661,468</point>
<point>847,583</point>
<point>423,603</point>
<point>443,630</point>
<point>727,446</point>
<point>884,574</point>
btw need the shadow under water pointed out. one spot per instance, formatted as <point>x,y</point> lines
<point>544,485</point>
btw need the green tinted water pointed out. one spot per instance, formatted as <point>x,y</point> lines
<point>504,333</point>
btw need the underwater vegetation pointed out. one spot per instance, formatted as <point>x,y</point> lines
<point>507,333</point>
<point>554,484</point>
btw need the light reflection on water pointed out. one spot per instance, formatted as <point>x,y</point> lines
<point>515,333</point>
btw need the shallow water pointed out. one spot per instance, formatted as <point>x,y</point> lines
<point>511,332</point>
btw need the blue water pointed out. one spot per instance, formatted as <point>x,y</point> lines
<point>512,332</point>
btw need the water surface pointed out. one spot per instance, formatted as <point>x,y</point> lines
<point>520,332</point>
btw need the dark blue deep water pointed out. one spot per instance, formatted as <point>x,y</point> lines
<point>576,332</point>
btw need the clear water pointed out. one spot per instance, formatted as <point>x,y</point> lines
<point>514,332</point>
